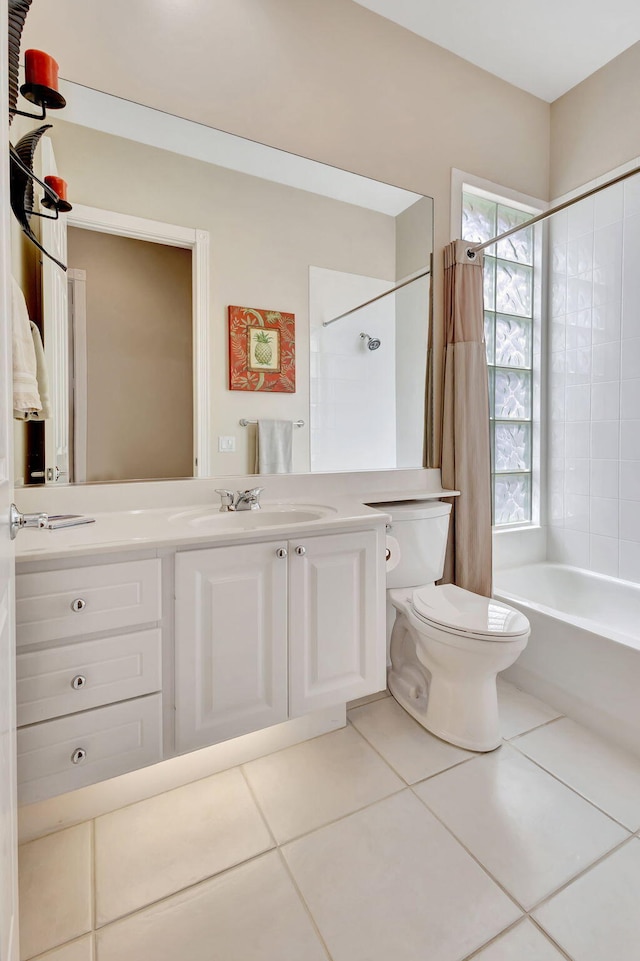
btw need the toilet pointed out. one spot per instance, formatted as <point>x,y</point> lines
<point>447,644</point>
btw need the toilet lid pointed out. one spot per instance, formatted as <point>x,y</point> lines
<point>460,611</point>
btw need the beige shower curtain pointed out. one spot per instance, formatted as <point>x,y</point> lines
<point>466,461</point>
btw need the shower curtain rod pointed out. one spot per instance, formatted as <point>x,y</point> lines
<point>472,251</point>
<point>405,283</point>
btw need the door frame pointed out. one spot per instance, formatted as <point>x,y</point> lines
<point>196,240</point>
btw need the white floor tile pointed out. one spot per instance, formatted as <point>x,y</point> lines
<point>519,711</point>
<point>597,917</point>
<point>251,913</point>
<point>601,772</point>
<point>409,749</point>
<point>522,943</point>
<point>531,832</point>
<point>152,849</point>
<point>313,783</point>
<point>55,889</point>
<point>81,950</point>
<point>390,882</point>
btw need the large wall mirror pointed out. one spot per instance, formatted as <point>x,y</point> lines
<point>173,223</point>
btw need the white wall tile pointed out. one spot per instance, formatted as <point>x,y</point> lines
<point>603,478</point>
<point>630,361</point>
<point>605,400</point>
<point>576,512</point>
<point>580,218</point>
<point>609,206</point>
<point>605,439</point>
<point>604,516</point>
<point>578,400</point>
<point>630,560</point>
<point>605,362</point>
<point>606,321</point>
<point>578,439</point>
<point>630,399</point>
<point>630,440</point>
<point>630,480</point>
<point>630,520</point>
<point>576,476</point>
<point>603,557</point>
<point>631,197</point>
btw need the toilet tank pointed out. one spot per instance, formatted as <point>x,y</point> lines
<point>420,529</point>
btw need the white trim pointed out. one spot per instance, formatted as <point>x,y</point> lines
<point>77,281</point>
<point>196,240</point>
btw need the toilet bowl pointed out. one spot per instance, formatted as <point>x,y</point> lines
<point>443,673</point>
<point>447,645</point>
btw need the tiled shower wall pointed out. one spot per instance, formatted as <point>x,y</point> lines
<point>594,379</point>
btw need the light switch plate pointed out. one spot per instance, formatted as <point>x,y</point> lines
<point>226,444</point>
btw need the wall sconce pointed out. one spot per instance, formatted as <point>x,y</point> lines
<point>41,84</point>
<point>21,183</point>
<point>41,88</point>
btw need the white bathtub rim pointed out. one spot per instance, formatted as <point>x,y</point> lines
<point>596,628</point>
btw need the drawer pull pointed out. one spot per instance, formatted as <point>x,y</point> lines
<point>78,755</point>
<point>78,682</point>
<point>301,550</point>
<point>79,604</point>
<point>281,552</point>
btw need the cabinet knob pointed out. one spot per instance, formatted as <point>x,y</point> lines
<point>78,682</point>
<point>78,755</point>
<point>301,550</point>
<point>281,552</point>
<point>79,604</point>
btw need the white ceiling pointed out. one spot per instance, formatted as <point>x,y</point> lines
<point>543,46</point>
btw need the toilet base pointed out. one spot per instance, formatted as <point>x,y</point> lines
<point>458,706</point>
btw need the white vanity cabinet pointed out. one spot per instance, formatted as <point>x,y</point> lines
<point>275,630</point>
<point>88,707</point>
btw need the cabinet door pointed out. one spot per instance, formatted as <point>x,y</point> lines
<point>336,620</point>
<point>231,642</point>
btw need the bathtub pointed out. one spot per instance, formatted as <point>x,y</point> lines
<point>583,655</point>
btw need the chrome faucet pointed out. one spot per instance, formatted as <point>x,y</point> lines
<point>241,500</point>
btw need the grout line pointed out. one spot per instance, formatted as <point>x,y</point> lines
<point>558,947</point>
<point>536,727</point>
<point>581,874</point>
<point>254,797</point>
<point>343,817</point>
<point>304,903</point>
<point>496,937</point>
<point>574,790</point>
<point>473,856</point>
<point>189,887</point>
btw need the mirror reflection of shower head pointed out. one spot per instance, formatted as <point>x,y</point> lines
<point>372,342</point>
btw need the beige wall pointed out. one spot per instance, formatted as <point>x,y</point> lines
<point>595,127</point>
<point>139,356</point>
<point>264,236</point>
<point>324,78</point>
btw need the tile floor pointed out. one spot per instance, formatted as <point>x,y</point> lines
<point>377,842</point>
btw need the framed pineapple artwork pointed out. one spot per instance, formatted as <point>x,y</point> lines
<point>261,350</point>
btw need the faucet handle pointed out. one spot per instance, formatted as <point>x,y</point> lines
<point>226,498</point>
<point>253,492</point>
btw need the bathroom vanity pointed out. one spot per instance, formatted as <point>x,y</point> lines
<point>152,633</point>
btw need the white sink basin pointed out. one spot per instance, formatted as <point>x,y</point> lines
<point>271,515</point>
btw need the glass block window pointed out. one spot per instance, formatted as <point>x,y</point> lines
<point>509,286</point>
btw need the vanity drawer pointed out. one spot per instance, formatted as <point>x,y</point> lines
<point>84,600</point>
<point>83,675</point>
<point>104,743</point>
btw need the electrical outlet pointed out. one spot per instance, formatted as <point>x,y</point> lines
<point>226,444</point>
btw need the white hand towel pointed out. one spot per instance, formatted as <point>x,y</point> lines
<point>274,447</point>
<point>42,377</point>
<point>26,398</point>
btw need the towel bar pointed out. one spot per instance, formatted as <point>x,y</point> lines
<point>245,423</point>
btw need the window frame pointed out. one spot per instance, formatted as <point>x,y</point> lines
<point>464,182</point>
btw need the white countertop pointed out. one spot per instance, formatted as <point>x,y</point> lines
<point>175,527</point>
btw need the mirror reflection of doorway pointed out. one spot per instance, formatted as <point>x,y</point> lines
<point>130,311</point>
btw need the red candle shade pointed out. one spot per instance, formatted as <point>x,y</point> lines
<point>60,187</point>
<point>40,69</point>
<point>57,184</point>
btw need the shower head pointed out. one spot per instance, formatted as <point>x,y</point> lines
<point>372,342</point>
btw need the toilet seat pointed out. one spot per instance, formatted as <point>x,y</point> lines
<point>456,611</point>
